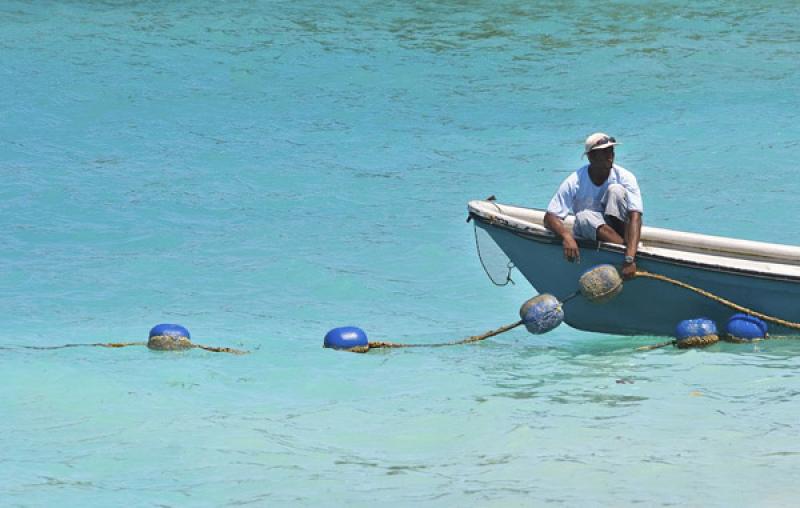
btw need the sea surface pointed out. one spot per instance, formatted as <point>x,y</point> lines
<point>261,172</point>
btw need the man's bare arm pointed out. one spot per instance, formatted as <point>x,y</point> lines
<point>556,225</point>
<point>633,231</point>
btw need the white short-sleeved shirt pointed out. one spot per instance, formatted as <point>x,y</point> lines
<point>577,192</point>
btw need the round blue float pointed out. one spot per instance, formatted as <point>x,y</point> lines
<point>700,327</point>
<point>541,313</point>
<point>747,327</point>
<point>345,337</point>
<point>700,332</point>
<point>169,330</point>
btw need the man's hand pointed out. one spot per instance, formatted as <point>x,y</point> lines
<point>571,252</point>
<point>628,270</point>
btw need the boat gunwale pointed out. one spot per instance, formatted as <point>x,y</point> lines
<point>547,236</point>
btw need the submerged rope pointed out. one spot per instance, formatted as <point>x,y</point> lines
<point>98,344</point>
<point>468,340</point>
<point>216,349</point>
<point>697,341</point>
<point>186,345</point>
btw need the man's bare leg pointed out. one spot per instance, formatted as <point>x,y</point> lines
<point>606,233</point>
<point>616,224</point>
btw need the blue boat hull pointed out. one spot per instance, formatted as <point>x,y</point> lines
<point>645,306</point>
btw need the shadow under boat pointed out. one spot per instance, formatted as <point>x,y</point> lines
<point>764,277</point>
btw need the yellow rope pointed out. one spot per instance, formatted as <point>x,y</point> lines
<point>221,349</point>
<point>100,344</point>
<point>697,341</point>
<point>125,344</point>
<point>468,340</point>
<point>723,301</point>
<point>657,346</point>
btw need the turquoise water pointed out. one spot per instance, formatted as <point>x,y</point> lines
<point>261,172</point>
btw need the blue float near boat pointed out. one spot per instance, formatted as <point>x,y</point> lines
<point>764,277</point>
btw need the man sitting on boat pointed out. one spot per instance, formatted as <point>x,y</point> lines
<point>605,200</point>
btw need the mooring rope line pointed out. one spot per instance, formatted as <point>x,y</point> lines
<point>217,349</point>
<point>688,342</point>
<point>96,344</point>
<point>719,299</point>
<point>468,340</point>
<point>213,349</point>
<point>707,340</point>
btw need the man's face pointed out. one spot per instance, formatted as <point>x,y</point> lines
<point>602,158</point>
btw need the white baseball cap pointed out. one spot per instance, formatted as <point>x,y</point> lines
<point>598,141</point>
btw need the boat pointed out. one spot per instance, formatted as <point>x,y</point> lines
<point>763,277</point>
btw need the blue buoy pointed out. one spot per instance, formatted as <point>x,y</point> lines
<point>169,337</point>
<point>696,333</point>
<point>169,330</point>
<point>746,327</point>
<point>541,313</point>
<point>346,337</point>
<point>695,328</point>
